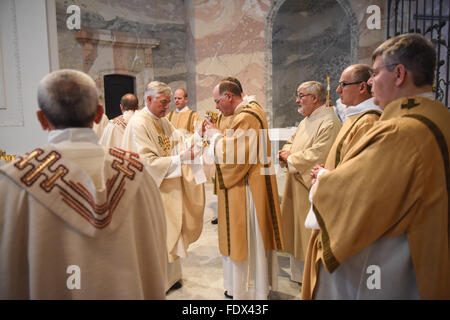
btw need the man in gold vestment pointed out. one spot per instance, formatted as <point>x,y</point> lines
<point>383,213</point>
<point>249,215</point>
<point>223,123</point>
<point>183,118</point>
<point>169,155</point>
<point>186,121</point>
<point>308,146</point>
<point>360,115</point>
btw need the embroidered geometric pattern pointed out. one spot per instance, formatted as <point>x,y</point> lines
<point>120,122</point>
<point>165,144</point>
<point>38,164</point>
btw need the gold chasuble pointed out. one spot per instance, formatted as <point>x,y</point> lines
<point>155,140</point>
<point>185,120</point>
<point>250,140</point>
<point>309,145</point>
<point>353,129</point>
<point>223,123</point>
<point>393,181</point>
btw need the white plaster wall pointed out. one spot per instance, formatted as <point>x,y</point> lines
<point>33,53</point>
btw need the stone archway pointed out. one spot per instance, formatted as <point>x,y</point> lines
<point>305,40</point>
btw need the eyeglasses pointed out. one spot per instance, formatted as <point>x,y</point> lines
<point>301,96</point>
<point>343,84</point>
<point>219,98</point>
<point>373,72</point>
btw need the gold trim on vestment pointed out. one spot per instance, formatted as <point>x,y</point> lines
<point>440,140</point>
<point>269,190</point>
<point>329,259</point>
<point>341,143</point>
<point>189,121</point>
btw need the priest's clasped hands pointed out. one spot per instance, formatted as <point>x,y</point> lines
<point>205,132</point>
<point>208,129</point>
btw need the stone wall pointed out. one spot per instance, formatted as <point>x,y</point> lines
<point>143,39</point>
<point>271,46</point>
<point>260,42</point>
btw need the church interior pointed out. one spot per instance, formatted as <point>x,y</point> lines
<point>271,46</point>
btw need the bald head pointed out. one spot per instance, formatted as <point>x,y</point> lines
<point>353,87</point>
<point>68,98</point>
<point>181,98</point>
<point>129,102</point>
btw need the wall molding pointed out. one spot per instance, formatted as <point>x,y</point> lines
<point>12,115</point>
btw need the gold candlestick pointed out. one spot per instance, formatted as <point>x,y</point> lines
<point>328,90</point>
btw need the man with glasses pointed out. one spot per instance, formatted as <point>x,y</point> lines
<point>308,146</point>
<point>222,124</point>
<point>169,155</point>
<point>383,213</point>
<point>361,113</point>
<point>249,225</point>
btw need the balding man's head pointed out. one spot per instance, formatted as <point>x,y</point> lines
<point>68,98</point>
<point>353,88</point>
<point>129,102</point>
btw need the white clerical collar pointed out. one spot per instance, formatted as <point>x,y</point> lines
<point>248,99</point>
<point>364,106</point>
<point>150,113</point>
<point>429,95</point>
<point>73,135</point>
<point>240,105</point>
<point>186,108</point>
<point>128,114</point>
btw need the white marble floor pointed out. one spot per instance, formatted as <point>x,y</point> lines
<point>202,268</point>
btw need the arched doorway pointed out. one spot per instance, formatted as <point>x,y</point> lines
<point>306,40</point>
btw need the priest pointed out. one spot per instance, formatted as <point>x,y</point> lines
<point>77,220</point>
<point>183,118</point>
<point>171,159</point>
<point>308,146</point>
<point>249,227</point>
<point>383,213</point>
<point>113,132</point>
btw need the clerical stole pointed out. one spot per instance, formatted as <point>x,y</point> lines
<point>234,176</point>
<point>222,124</point>
<point>187,120</point>
<point>393,181</point>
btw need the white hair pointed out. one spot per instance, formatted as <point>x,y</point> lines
<point>68,98</point>
<point>315,88</point>
<point>154,88</point>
